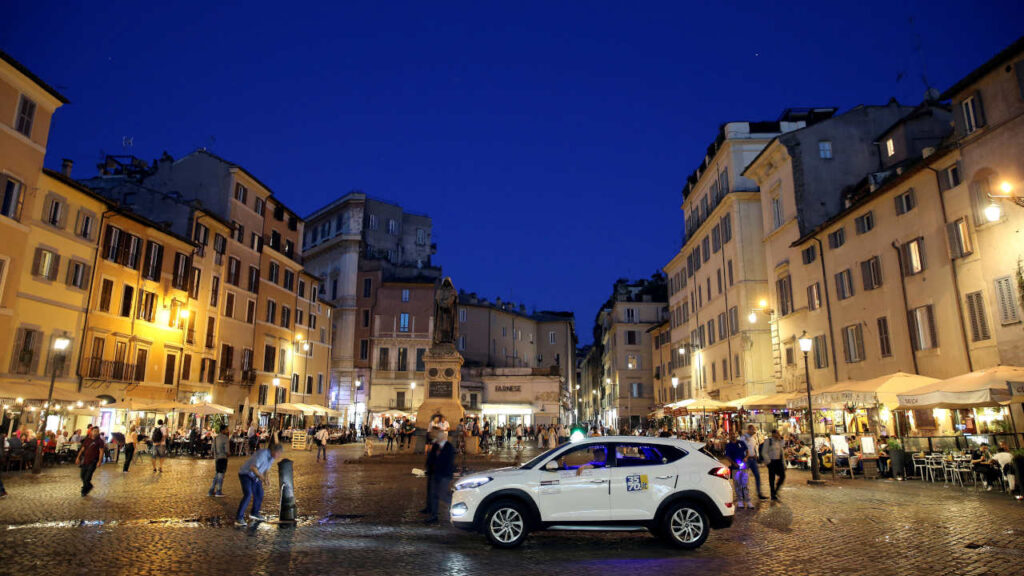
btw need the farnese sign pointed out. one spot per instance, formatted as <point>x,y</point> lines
<point>508,388</point>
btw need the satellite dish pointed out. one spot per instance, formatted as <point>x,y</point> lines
<point>932,95</point>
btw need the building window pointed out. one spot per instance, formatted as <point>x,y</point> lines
<point>402,360</point>
<point>809,254</point>
<point>726,228</point>
<point>814,296</point>
<point>367,287</point>
<point>286,317</point>
<point>26,116</point>
<point>711,331</point>
<point>905,202</point>
<point>784,287</point>
<point>462,342</point>
<point>289,280</point>
<point>54,214</point>
<point>890,148</point>
<point>392,227</point>
<point>383,362</point>
<point>871,271</point>
<point>250,312</point>
<point>147,305</point>
<point>78,274</point>
<point>716,238</point>
<point>372,223</point>
<point>631,315</point>
<point>405,295</point>
<point>364,349</point>
<point>952,176</point>
<point>106,291</point>
<point>421,237</point>
<point>820,350</point>
<point>46,264</point>
<point>12,197</point>
<point>865,222</point>
<point>722,328</point>
<point>274,272</point>
<point>734,320</point>
<point>259,205</point>
<point>271,312</point>
<point>126,301</point>
<point>884,347</point>
<point>254,279</point>
<point>241,193</point>
<point>790,356</point>
<point>403,322</point>
<point>1006,296</point>
<point>922,328</point>
<point>836,238</point>
<point>970,110</point>
<point>853,344</point>
<point>844,284</point>
<point>913,257</point>
<point>825,149</point>
<point>631,337</point>
<point>959,238</point>
<point>978,319</point>
<point>636,389</point>
<point>462,314</point>
<point>776,212</point>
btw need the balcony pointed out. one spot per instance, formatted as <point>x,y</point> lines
<point>117,371</point>
<point>190,336</point>
<point>395,405</point>
<point>248,377</point>
<point>209,340</point>
<point>226,376</point>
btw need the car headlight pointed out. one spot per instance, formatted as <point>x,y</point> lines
<point>474,482</point>
<point>459,510</point>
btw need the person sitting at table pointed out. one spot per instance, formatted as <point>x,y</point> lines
<point>1003,461</point>
<point>981,461</point>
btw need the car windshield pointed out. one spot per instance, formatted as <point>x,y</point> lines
<point>542,457</point>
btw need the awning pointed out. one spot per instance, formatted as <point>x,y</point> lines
<point>990,387</point>
<point>508,409</point>
<point>746,401</point>
<point>282,408</point>
<point>208,409</point>
<point>38,392</point>
<point>699,405</point>
<point>880,390</point>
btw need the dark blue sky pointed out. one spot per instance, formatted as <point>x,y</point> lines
<point>548,141</point>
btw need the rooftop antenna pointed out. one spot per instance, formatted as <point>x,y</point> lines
<point>920,57</point>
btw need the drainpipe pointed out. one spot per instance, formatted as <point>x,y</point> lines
<point>954,274</point>
<point>906,306</point>
<point>828,308</point>
<point>88,302</point>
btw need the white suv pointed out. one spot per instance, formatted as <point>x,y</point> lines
<point>670,487</point>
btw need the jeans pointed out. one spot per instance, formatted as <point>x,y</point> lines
<point>756,471</point>
<point>438,491</point>
<point>739,481</point>
<point>776,470</point>
<point>86,473</point>
<point>129,453</point>
<point>2,489</point>
<point>252,489</point>
<point>321,449</point>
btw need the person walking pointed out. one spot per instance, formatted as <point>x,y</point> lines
<point>429,470</point>
<point>221,450</point>
<point>773,451</point>
<point>441,478</point>
<point>519,436</point>
<point>129,447</point>
<point>90,456</point>
<point>253,478</point>
<point>736,451</point>
<point>753,439</point>
<point>159,439</point>
<point>321,443</point>
<point>252,435</point>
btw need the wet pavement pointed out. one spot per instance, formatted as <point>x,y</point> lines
<point>359,517</point>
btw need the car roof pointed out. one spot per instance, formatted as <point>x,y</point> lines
<point>679,443</point>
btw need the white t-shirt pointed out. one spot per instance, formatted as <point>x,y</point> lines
<point>445,425</point>
<point>322,435</point>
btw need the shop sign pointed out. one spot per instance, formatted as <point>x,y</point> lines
<point>440,389</point>
<point>1016,388</point>
<point>508,388</point>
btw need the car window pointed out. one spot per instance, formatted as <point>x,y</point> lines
<point>591,455</point>
<point>646,454</point>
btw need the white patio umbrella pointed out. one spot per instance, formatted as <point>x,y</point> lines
<point>208,409</point>
<point>989,387</point>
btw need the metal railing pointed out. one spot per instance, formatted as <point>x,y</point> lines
<point>118,371</point>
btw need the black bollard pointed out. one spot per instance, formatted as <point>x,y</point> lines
<point>288,508</point>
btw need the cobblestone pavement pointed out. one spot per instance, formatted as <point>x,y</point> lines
<point>361,517</point>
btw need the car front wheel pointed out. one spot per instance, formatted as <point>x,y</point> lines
<point>685,525</point>
<point>505,524</point>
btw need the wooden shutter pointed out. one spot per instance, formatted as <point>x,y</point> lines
<point>86,276</point>
<point>859,336</point>
<point>1006,298</point>
<point>69,276</point>
<point>914,331</point>
<point>931,326</point>
<point>979,110</point>
<point>958,119</point>
<point>55,267</point>
<point>37,344</point>
<point>865,272</point>
<point>21,202</point>
<point>35,261</point>
<point>952,234</point>
<point>62,221</point>
<point>846,344</point>
<point>19,343</point>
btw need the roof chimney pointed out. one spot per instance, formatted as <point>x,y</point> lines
<point>65,167</point>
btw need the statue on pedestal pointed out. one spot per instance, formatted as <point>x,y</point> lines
<point>446,328</point>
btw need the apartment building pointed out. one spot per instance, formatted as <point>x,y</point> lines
<point>718,276</point>
<point>625,397</point>
<point>662,357</point>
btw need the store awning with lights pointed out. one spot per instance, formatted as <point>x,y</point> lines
<point>981,388</point>
<point>881,390</point>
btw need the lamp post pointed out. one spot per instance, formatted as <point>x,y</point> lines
<point>277,384</point>
<point>805,346</point>
<point>675,386</point>
<point>60,344</point>
<point>412,395</point>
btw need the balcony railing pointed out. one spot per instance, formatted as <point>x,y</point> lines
<point>404,406</point>
<point>209,339</point>
<point>117,371</point>
<point>190,336</point>
<point>248,377</point>
<point>226,375</point>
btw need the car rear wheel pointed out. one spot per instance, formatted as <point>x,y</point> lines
<point>685,525</point>
<point>506,523</point>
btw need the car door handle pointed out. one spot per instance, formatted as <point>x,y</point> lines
<point>664,477</point>
<point>597,481</point>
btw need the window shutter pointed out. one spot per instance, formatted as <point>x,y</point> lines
<point>859,334</point>
<point>944,180</point>
<point>921,253</point>
<point>1007,299</point>
<point>19,343</point>
<point>35,261</point>
<point>865,272</point>
<point>958,119</point>
<point>62,222</point>
<point>106,242</point>
<point>979,200</point>
<point>36,348</point>
<point>846,345</point>
<point>914,331</point>
<point>86,276</point>
<point>972,312</point>
<point>979,110</point>
<point>47,207</point>
<point>931,327</point>
<point>69,275</point>
<point>55,267</point>
<point>954,242</point>
<point>21,203</point>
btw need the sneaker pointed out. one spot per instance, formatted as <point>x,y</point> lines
<point>3,495</point>
<point>739,504</point>
<point>218,495</point>
<point>749,505</point>
<point>257,517</point>
<point>240,524</point>
<point>210,494</point>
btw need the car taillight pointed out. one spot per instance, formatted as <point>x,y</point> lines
<point>721,472</point>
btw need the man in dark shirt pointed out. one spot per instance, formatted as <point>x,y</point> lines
<point>89,457</point>
<point>429,469</point>
<point>441,475</point>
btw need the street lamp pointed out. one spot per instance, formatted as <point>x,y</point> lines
<point>993,212</point>
<point>60,344</point>
<point>805,346</point>
<point>675,386</point>
<point>762,306</point>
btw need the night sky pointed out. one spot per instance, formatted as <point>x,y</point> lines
<point>549,141</point>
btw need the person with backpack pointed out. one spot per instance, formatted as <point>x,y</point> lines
<point>221,449</point>
<point>159,439</point>
<point>321,438</point>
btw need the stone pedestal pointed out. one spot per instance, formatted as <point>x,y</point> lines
<point>443,365</point>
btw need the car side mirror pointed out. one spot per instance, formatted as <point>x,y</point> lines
<point>551,466</point>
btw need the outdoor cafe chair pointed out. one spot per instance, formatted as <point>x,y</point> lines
<point>920,464</point>
<point>933,467</point>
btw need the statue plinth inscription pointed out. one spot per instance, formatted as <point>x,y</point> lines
<point>439,389</point>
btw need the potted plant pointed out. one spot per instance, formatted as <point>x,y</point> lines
<point>1018,469</point>
<point>897,458</point>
